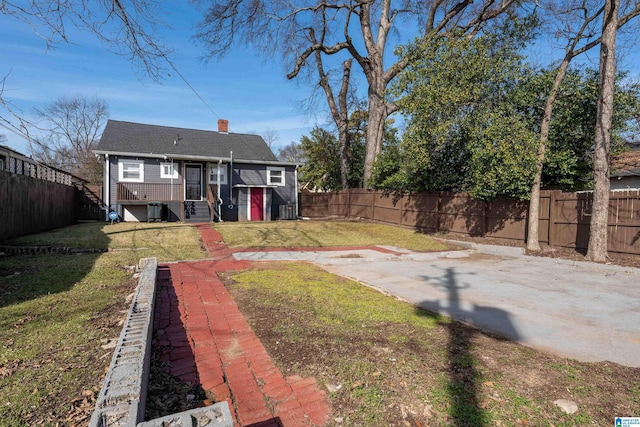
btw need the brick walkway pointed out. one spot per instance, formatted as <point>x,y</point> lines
<point>208,342</point>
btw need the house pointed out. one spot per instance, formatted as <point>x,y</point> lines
<point>625,171</point>
<point>166,173</point>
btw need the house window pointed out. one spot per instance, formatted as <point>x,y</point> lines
<point>275,176</point>
<point>1,163</point>
<point>131,170</point>
<point>213,174</point>
<point>168,170</point>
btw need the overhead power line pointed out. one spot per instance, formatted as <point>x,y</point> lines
<point>173,66</point>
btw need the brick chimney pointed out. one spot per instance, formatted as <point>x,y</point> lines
<point>223,126</point>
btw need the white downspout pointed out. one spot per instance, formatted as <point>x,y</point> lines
<point>172,180</point>
<point>218,199</point>
<point>231,179</point>
<point>296,179</point>
<point>107,183</point>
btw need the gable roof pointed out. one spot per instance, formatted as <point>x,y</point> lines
<point>143,139</point>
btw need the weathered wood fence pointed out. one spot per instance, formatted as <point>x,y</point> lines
<point>30,205</point>
<point>564,217</point>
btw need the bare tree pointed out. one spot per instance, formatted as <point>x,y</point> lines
<point>270,136</point>
<point>291,152</point>
<point>339,112</point>
<point>577,23</point>
<point>74,126</point>
<point>128,28</point>
<point>358,29</point>
<point>599,213</point>
<point>15,122</point>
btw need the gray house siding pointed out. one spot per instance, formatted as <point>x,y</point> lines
<point>630,182</point>
<point>152,175</point>
<point>254,166</point>
<point>251,175</point>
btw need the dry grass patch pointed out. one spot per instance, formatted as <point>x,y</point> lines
<point>292,234</point>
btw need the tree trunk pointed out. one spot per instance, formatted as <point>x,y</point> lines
<point>345,154</point>
<point>533,243</point>
<point>343,126</point>
<point>339,112</point>
<point>375,133</point>
<point>600,212</point>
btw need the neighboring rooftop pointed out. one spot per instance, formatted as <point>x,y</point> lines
<point>128,137</point>
<point>626,164</point>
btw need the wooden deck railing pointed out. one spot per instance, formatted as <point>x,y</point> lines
<point>133,191</point>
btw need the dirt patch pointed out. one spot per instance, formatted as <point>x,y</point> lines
<point>234,350</point>
<point>625,260</point>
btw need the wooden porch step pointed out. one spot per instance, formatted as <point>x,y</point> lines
<point>196,211</point>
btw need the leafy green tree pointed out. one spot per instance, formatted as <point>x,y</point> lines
<point>576,25</point>
<point>464,131</point>
<point>322,167</point>
<point>569,157</point>
<point>475,111</point>
<point>323,153</point>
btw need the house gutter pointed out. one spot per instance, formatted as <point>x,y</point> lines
<point>202,158</point>
<point>230,159</point>
<point>122,153</point>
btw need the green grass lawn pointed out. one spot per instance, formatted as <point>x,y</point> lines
<point>56,311</point>
<point>290,234</point>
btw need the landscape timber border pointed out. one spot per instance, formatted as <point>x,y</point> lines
<point>122,399</point>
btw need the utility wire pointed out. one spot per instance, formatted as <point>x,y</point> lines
<point>172,65</point>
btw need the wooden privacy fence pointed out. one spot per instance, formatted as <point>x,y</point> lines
<point>564,217</point>
<point>30,205</point>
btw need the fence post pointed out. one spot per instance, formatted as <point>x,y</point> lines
<point>483,230</point>
<point>552,217</point>
<point>438,206</point>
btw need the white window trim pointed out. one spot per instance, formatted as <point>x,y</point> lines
<point>223,173</point>
<point>121,177</point>
<point>275,169</point>
<point>168,176</point>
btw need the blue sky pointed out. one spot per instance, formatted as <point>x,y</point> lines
<point>249,91</point>
<point>253,94</point>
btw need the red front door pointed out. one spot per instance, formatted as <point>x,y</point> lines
<point>257,204</point>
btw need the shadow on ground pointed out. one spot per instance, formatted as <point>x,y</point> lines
<point>464,377</point>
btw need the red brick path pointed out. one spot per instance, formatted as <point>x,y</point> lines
<point>208,342</point>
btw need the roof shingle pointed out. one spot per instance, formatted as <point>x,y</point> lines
<point>128,137</point>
